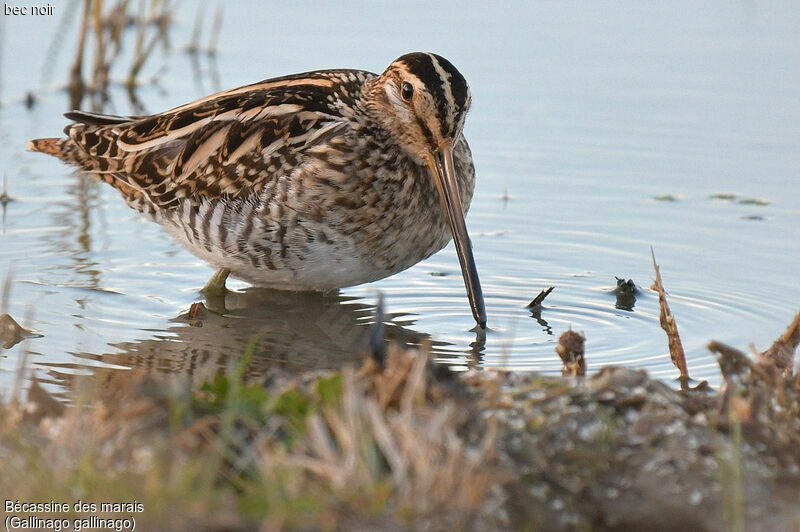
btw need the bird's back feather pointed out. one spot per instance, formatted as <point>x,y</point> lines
<point>228,143</point>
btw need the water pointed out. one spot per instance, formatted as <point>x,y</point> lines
<point>583,114</point>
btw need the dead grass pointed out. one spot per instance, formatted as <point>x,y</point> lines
<point>396,445</point>
<point>323,451</point>
<point>106,28</point>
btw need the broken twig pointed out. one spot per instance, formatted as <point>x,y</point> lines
<point>781,352</point>
<point>670,327</point>
<point>537,301</point>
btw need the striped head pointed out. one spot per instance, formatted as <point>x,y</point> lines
<point>422,100</point>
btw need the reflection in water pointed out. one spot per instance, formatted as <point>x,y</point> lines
<point>74,232</point>
<point>535,308</point>
<point>619,104</point>
<point>5,199</point>
<point>477,348</point>
<point>536,313</point>
<point>291,331</point>
<point>199,73</point>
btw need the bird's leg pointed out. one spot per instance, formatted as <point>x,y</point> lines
<point>216,285</point>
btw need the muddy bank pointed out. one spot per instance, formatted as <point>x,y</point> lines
<point>621,451</point>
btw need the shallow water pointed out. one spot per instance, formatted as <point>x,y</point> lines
<point>599,130</point>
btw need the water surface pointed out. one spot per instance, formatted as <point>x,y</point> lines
<point>598,130</point>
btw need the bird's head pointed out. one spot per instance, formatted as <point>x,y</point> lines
<point>422,101</point>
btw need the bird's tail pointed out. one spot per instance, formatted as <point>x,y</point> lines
<point>51,146</point>
<point>63,148</point>
<point>68,151</point>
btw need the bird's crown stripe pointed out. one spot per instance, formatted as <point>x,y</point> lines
<point>448,89</point>
<point>429,70</point>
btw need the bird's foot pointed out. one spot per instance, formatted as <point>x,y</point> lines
<point>215,287</point>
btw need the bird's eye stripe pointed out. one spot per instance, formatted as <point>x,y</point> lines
<point>423,68</point>
<point>425,131</point>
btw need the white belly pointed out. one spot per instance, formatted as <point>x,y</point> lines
<point>260,259</point>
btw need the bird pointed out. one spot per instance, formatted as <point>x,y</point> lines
<point>306,182</point>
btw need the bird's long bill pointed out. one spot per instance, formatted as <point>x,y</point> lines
<point>443,173</point>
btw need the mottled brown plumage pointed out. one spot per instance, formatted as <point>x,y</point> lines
<point>311,181</point>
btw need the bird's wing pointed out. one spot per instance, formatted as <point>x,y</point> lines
<point>228,143</point>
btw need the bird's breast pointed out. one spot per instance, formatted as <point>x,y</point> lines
<point>339,219</point>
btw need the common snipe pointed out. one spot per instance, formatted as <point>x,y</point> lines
<point>313,181</point>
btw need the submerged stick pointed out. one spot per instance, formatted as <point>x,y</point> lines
<point>540,298</point>
<point>670,326</point>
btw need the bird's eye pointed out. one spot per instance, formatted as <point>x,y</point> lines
<point>407,91</point>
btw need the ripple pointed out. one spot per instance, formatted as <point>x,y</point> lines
<point>580,210</point>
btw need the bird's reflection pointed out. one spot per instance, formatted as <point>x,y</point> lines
<point>477,348</point>
<point>292,331</point>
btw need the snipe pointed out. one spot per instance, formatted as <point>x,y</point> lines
<point>313,181</point>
